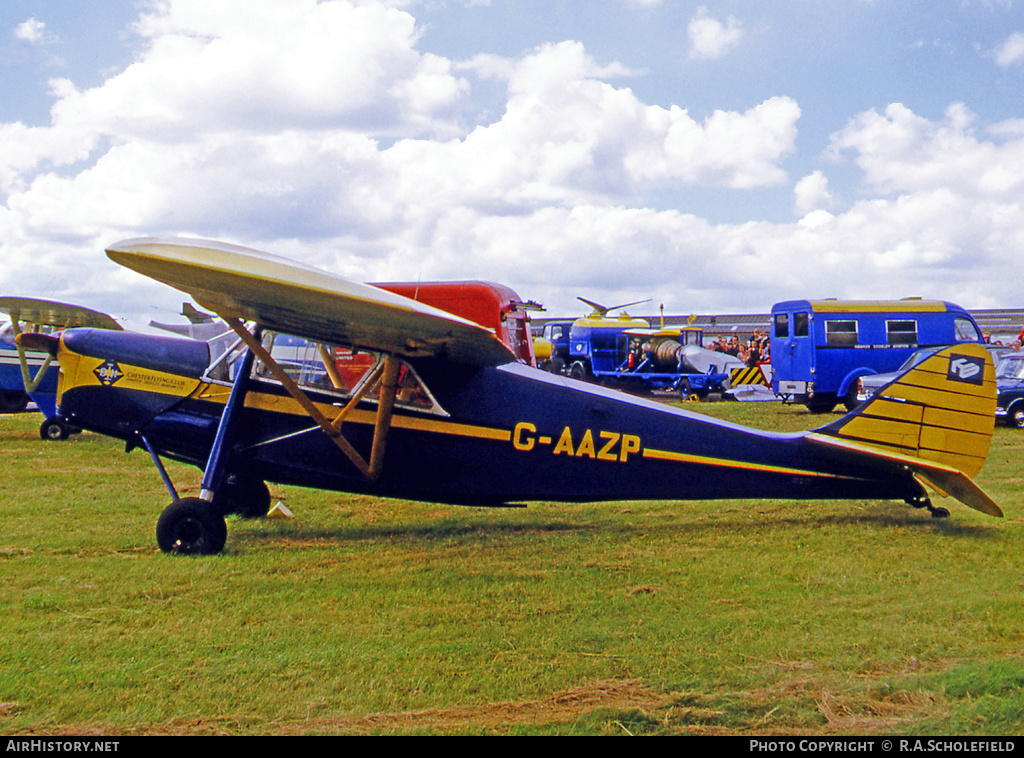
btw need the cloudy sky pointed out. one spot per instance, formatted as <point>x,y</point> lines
<point>711,156</point>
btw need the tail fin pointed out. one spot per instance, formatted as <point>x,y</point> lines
<point>936,419</point>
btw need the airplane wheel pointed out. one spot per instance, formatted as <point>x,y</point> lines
<point>190,526</point>
<point>249,497</point>
<point>54,429</point>
<point>13,402</point>
<point>940,512</point>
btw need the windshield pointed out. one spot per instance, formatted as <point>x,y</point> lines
<point>916,357</point>
<point>1011,367</point>
<point>323,368</point>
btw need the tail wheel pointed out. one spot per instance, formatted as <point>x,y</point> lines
<point>191,526</point>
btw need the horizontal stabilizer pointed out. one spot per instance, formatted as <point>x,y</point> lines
<point>944,480</point>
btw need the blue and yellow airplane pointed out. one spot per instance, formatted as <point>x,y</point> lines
<point>26,374</point>
<point>347,387</point>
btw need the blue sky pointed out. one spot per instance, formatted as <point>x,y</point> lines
<point>712,156</point>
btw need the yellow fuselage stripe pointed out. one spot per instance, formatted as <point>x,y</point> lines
<point>667,455</point>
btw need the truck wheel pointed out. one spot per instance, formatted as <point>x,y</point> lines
<point>580,371</point>
<point>850,400</point>
<point>821,403</point>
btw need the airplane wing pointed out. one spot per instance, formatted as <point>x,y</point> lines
<point>290,297</point>
<point>51,313</point>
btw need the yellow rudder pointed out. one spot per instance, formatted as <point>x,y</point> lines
<point>942,410</point>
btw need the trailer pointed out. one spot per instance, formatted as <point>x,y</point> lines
<point>668,360</point>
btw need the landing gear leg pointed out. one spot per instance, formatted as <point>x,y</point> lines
<point>195,525</point>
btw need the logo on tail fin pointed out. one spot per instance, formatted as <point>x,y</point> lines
<point>965,368</point>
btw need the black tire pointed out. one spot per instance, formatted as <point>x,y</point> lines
<point>1017,416</point>
<point>191,526</point>
<point>13,402</point>
<point>850,400</point>
<point>821,403</point>
<point>684,390</point>
<point>54,429</point>
<point>554,365</point>
<point>246,496</point>
<point>579,370</point>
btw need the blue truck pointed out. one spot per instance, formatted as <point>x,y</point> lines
<point>626,353</point>
<point>820,348</point>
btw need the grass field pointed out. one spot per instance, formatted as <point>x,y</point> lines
<point>370,616</point>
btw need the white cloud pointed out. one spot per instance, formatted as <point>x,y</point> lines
<point>709,37</point>
<point>902,152</point>
<point>365,161</point>
<point>1011,52</point>
<point>30,31</point>
<point>812,194</point>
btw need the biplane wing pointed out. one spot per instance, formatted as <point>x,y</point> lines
<point>33,362</point>
<point>27,310</point>
<point>286,296</point>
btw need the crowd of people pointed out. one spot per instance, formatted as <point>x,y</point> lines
<point>986,337</point>
<point>752,352</point>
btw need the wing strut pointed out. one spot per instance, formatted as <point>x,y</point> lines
<point>386,375</point>
<point>31,382</point>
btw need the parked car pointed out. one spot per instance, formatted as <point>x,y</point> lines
<point>870,384</point>
<point>1010,382</point>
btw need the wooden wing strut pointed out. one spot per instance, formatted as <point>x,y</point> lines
<point>386,375</point>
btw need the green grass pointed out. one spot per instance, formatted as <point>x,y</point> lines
<point>373,616</point>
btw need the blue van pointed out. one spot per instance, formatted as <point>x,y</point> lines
<point>820,348</point>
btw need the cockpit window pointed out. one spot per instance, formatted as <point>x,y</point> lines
<point>324,368</point>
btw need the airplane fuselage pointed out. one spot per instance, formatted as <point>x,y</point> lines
<point>491,436</point>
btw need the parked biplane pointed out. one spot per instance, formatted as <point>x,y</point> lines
<point>396,398</point>
<point>31,374</point>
